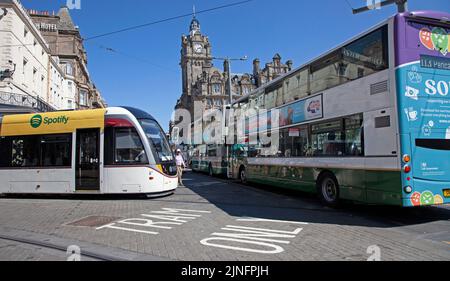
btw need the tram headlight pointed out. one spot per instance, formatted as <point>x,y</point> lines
<point>408,189</point>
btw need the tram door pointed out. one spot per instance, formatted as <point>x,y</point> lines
<point>87,174</point>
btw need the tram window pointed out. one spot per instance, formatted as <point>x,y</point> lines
<point>5,152</point>
<point>157,139</point>
<point>128,147</point>
<point>25,151</point>
<point>56,150</point>
<point>36,151</point>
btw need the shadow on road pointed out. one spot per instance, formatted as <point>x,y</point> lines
<point>278,204</point>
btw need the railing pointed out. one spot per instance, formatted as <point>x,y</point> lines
<point>25,101</point>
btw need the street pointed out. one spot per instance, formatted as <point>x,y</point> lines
<point>214,219</point>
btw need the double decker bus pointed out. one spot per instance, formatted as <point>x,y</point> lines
<point>368,121</point>
<point>210,158</point>
<point>118,150</point>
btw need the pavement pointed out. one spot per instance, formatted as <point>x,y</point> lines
<point>213,219</point>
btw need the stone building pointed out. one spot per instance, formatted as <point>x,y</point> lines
<point>202,82</point>
<point>26,67</point>
<point>66,44</point>
<point>43,64</point>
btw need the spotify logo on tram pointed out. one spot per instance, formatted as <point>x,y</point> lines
<point>36,121</point>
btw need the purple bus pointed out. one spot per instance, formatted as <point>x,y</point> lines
<point>380,130</point>
<point>422,63</point>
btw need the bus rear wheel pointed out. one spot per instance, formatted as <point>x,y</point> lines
<point>243,175</point>
<point>328,190</point>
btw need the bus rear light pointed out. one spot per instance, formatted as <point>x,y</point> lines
<point>406,158</point>
<point>407,169</point>
<point>118,122</point>
<point>408,189</point>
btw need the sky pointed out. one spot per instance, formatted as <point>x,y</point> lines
<point>144,71</point>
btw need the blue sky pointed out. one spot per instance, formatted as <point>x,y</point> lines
<point>147,74</point>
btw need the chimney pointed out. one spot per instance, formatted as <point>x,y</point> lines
<point>226,67</point>
<point>289,65</point>
<point>256,66</point>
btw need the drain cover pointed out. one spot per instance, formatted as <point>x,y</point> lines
<point>94,221</point>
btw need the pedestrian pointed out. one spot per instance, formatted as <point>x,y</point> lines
<point>180,166</point>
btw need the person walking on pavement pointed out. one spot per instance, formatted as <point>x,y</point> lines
<point>180,166</point>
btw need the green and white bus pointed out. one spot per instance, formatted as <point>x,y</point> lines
<point>368,121</point>
<point>209,158</point>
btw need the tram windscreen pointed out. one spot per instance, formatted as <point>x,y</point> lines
<point>157,139</point>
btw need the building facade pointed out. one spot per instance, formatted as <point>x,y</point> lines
<point>25,62</point>
<point>203,83</point>
<point>66,44</point>
<point>40,71</point>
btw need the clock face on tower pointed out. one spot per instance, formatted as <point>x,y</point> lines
<point>198,48</point>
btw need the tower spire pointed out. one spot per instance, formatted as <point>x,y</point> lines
<point>195,24</point>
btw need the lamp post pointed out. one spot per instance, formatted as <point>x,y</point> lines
<point>402,5</point>
<point>227,109</point>
<point>227,69</point>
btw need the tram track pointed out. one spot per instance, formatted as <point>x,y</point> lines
<point>47,245</point>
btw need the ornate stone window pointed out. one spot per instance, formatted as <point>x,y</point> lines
<point>217,89</point>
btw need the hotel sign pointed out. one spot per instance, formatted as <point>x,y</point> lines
<point>47,27</point>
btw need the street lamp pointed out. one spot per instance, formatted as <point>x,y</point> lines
<point>227,109</point>
<point>402,6</point>
<point>227,69</point>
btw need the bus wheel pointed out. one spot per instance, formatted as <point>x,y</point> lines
<point>328,189</point>
<point>210,171</point>
<point>243,175</point>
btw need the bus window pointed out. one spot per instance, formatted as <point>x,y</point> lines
<point>354,136</point>
<point>327,139</point>
<point>360,58</point>
<point>294,141</point>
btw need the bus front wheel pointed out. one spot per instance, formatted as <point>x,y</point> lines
<point>328,189</point>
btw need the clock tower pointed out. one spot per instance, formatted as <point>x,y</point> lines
<point>196,59</point>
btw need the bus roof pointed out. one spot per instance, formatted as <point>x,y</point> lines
<point>436,15</point>
<point>295,70</point>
